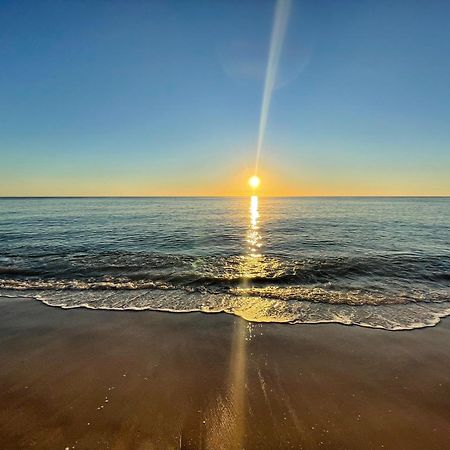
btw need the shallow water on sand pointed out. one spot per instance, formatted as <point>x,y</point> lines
<point>376,262</point>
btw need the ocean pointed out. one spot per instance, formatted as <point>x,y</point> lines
<point>373,262</point>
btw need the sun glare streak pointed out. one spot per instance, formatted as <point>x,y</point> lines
<point>282,9</point>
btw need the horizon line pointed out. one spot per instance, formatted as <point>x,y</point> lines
<point>216,196</point>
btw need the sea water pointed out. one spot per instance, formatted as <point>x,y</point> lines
<point>375,262</point>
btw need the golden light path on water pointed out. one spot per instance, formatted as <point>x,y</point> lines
<point>230,412</point>
<point>253,235</point>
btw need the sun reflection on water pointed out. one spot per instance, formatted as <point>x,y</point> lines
<point>231,412</point>
<point>253,234</point>
<point>252,260</point>
<point>242,330</point>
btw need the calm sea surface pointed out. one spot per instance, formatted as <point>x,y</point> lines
<point>377,262</point>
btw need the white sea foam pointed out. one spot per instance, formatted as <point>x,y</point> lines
<point>253,309</point>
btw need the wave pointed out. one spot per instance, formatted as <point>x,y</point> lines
<point>314,293</point>
<point>380,291</point>
<point>226,269</point>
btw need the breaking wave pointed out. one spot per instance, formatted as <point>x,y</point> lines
<point>391,292</point>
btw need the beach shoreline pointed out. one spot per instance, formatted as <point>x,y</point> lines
<point>78,378</point>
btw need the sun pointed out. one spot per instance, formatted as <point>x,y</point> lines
<point>254,181</point>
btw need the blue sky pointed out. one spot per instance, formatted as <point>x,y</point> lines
<point>163,98</point>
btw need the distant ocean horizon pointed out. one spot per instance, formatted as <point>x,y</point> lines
<point>373,261</point>
<point>223,196</point>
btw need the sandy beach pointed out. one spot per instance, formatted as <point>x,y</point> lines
<point>88,379</point>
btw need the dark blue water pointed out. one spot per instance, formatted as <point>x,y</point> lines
<point>378,262</point>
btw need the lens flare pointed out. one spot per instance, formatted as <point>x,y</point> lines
<point>280,21</point>
<point>254,181</point>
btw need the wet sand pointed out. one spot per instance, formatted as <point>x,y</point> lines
<point>88,379</point>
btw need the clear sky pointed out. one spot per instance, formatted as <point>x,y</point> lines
<point>163,98</point>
